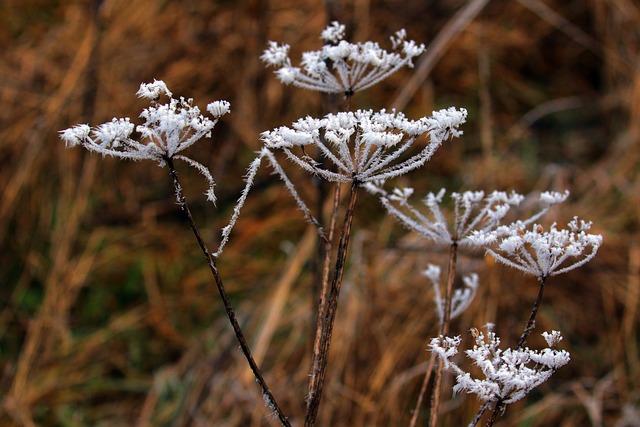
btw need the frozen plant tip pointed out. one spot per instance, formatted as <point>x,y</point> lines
<point>461,298</point>
<point>168,129</point>
<point>539,252</point>
<point>340,66</point>
<point>509,374</point>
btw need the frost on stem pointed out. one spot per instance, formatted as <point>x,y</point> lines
<point>508,374</point>
<point>340,66</point>
<point>473,212</point>
<point>461,298</point>
<point>167,130</point>
<point>539,252</point>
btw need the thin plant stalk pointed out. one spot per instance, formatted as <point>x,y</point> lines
<point>324,285</point>
<point>211,261</point>
<point>328,313</point>
<point>423,391</point>
<point>531,323</point>
<point>444,330</point>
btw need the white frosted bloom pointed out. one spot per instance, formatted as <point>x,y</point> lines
<point>362,146</point>
<point>340,66</point>
<point>461,298</point>
<point>167,130</point>
<point>544,253</point>
<point>509,374</point>
<point>475,216</point>
<point>153,90</point>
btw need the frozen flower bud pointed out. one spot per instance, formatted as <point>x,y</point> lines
<point>553,197</point>
<point>333,33</point>
<point>153,90</point>
<point>276,55</point>
<point>75,135</point>
<point>219,108</point>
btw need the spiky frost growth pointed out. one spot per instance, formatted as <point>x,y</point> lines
<point>340,66</point>
<point>364,145</point>
<point>167,130</point>
<point>461,298</point>
<point>508,374</point>
<point>473,212</point>
<point>539,252</point>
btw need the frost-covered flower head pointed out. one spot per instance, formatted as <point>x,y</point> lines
<point>509,375</point>
<point>167,130</point>
<point>473,212</point>
<point>461,298</point>
<point>340,66</point>
<point>539,252</point>
<point>364,145</point>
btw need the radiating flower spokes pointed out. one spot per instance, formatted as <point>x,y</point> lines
<point>168,129</point>
<point>340,66</point>
<point>364,145</point>
<point>509,374</point>
<point>474,212</point>
<point>541,252</point>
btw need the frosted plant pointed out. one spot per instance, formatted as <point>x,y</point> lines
<point>363,146</point>
<point>461,298</point>
<point>340,66</point>
<point>167,130</point>
<point>473,212</point>
<point>539,252</point>
<point>508,374</point>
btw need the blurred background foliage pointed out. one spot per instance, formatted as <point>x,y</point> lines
<point>108,315</point>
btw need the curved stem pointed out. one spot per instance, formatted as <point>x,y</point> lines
<point>328,314</point>
<point>266,392</point>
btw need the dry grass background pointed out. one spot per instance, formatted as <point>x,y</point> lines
<point>108,317</point>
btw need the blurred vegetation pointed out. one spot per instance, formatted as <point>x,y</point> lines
<point>108,315</point>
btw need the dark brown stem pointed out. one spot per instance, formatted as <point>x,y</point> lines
<point>423,391</point>
<point>328,314</point>
<point>270,401</point>
<point>444,330</point>
<point>531,324</point>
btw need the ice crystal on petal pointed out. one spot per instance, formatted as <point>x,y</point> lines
<point>340,66</point>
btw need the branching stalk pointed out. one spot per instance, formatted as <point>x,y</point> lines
<point>444,330</point>
<point>211,261</point>
<point>530,326</point>
<point>328,314</point>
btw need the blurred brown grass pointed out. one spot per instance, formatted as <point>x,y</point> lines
<point>107,314</point>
